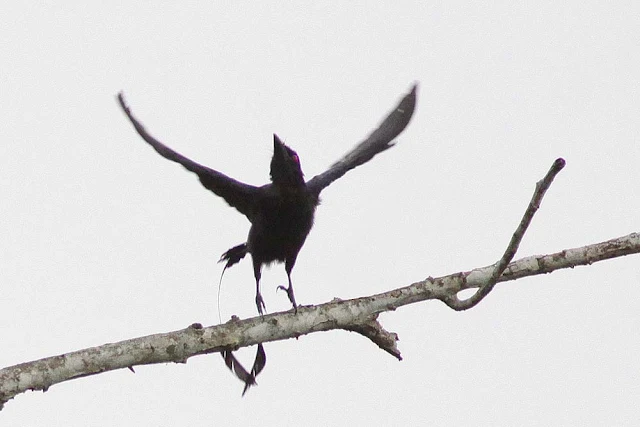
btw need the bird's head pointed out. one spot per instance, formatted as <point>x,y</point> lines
<point>285,165</point>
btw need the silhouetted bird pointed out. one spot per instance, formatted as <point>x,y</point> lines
<point>281,213</point>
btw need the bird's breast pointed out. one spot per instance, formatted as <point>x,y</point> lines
<point>281,226</point>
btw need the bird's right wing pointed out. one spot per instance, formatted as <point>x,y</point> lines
<point>380,139</point>
<point>237,194</point>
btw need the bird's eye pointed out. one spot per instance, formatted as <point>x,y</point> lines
<point>295,158</point>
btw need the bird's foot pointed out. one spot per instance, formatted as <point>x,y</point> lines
<point>291,296</point>
<point>260,304</point>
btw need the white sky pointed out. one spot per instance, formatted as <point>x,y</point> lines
<point>102,240</point>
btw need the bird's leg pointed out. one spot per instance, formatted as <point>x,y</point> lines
<point>259,301</point>
<point>290,294</point>
<point>289,290</point>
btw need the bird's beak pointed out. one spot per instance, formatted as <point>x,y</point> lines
<point>277,144</point>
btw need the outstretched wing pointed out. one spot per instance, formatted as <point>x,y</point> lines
<point>235,193</point>
<point>379,140</point>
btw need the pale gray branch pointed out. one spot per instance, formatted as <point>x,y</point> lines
<point>351,315</point>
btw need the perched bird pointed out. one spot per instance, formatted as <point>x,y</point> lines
<point>281,212</point>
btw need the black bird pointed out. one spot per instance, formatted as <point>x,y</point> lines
<point>281,213</point>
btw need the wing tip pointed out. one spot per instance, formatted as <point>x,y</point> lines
<point>407,106</point>
<point>411,97</point>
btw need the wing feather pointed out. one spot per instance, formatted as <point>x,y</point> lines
<point>235,193</point>
<point>378,141</point>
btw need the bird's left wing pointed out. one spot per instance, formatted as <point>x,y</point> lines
<point>237,194</point>
<point>380,139</point>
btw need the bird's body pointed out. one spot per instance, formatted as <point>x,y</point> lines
<point>282,222</point>
<point>282,212</point>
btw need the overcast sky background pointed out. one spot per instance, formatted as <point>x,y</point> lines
<point>103,240</point>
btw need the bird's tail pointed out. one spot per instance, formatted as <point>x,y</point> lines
<point>233,255</point>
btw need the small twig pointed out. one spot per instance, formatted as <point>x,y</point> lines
<point>541,188</point>
<point>373,330</point>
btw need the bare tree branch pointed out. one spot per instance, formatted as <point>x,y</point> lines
<point>356,315</point>
<point>351,315</point>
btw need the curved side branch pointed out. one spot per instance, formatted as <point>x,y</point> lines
<point>541,188</point>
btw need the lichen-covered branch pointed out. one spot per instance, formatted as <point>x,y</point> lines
<point>351,315</point>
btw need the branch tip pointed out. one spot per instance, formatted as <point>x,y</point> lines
<point>384,339</point>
